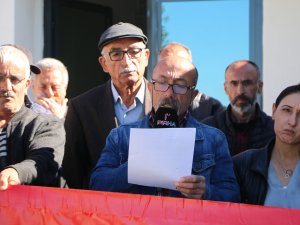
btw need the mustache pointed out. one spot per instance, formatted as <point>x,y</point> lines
<point>169,103</point>
<point>241,97</point>
<point>6,94</point>
<point>127,69</point>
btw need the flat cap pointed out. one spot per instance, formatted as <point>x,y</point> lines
<point>119,31</point>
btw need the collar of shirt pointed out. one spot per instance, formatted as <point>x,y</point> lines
<point>140,95</point>
<point>134,112</point>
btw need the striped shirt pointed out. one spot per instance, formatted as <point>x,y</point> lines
<point>3,148</point>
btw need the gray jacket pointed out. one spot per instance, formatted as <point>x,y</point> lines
<point>35,144</point>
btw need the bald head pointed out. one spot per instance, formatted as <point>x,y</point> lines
<point>175,49</point>
<point>171,67</point>
<point>241,66</point>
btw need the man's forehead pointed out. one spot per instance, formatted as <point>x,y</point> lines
<point>124,43</point>
<point>14,67</point>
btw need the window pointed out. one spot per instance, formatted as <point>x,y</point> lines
<point>217,32</point>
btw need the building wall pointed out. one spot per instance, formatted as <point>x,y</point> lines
<point>281,48</point>
<point>21,23</point>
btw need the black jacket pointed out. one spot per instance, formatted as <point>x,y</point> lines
<point>90,118</point>
<point>260,132</point>
<point>204,106</point>
<point>251,170</point>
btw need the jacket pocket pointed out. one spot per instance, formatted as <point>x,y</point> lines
<point>203,162</point>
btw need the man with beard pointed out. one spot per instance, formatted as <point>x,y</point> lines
<point>243,122</point>
<point>123,99</point>
<point>173,86</point>
<point>31,144</point>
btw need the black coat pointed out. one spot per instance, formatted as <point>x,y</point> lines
<point>260,132</point>
<point>251,170</point>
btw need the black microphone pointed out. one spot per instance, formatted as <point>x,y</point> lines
<point>166,117</point>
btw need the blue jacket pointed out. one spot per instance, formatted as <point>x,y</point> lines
<point>211,159</point>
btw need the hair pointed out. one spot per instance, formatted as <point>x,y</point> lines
<point>51,64</point>
<point>247,61</point>
<point>188,51</point>
<point>287,91</point>
<point>10,53</point>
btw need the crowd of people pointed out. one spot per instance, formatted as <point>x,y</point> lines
<point>240,153</point>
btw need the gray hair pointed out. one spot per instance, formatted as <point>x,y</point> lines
<point>12,54</point>
<point>51,64</point>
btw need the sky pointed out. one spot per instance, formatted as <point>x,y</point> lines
<point>217,32</point>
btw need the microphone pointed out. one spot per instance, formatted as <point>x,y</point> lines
<point>166,117</point>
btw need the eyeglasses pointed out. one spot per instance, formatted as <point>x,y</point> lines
<point>177,88</point>
<point>14,80</point>
<point>118,55</point>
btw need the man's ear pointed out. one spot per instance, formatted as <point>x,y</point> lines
<point>147,52</point>
<point>260,86</point>
<point>194,94</point>
<point>27,84</point>
<point>102,61</point>
<point>225,87</point>
<point>150,86</point>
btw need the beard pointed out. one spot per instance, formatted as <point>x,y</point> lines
<point>244,108</point>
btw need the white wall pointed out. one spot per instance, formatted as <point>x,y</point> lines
<point>281,48</point>
<point>21,23</point>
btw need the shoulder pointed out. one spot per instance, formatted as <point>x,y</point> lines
<point>205,130</point>
<point>248,157</point>
<point>98,93</point>
<point>28,118</point>
<point>218,118</point>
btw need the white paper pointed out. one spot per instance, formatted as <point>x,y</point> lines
<point>159,157</point>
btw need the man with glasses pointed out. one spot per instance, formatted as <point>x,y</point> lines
<point>203,105</point>
<point>243,122</point>
<point>173,85</point>
<point>31,144</point>
<point>123,99</point>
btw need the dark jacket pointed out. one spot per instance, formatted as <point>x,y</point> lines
<point>251,170</point>
<point>89,119</point>
<point>204,106</point>
<point>35,144</point>
<point>260,132</point>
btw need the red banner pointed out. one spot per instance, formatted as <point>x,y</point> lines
<point>40,205</point>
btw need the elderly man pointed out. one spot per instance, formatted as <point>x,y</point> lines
<point>31,145</point>
<point>173,85</point>
<point>50,87</point>
<point>121,100</point>
<point>202,106</point>
<point>243,123</point>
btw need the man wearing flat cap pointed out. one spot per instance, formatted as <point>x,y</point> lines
<point>121,100</point>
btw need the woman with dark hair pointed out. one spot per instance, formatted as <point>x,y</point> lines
<point>270,176</point>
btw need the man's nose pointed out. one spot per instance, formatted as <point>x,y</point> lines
<point>169,93</point>
<point>240,88</point>
<point>126,59</point>
<point>49,92</point>
<point>6,85</point>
